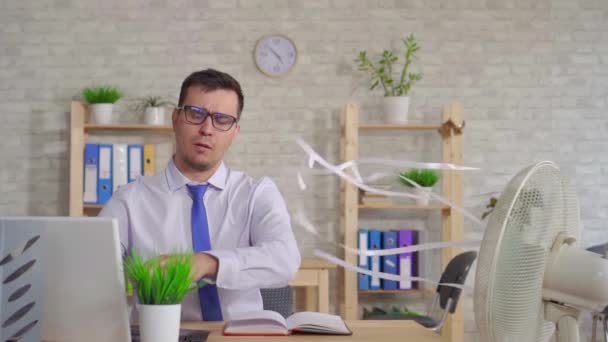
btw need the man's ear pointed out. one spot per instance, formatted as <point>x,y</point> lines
<point>174,117</point>
<point>237,130</point>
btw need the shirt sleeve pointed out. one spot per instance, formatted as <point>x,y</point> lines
<point>273,258</point>
<point>117,208</point>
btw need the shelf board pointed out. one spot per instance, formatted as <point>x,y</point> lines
<point>363,292</point>
<point>399,126</point>
<point>92,206</point>
<point>393,205</point>
<point>128,127</point>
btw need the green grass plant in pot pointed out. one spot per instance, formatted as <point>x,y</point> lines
<point>426,179</point>
<point>101,100</point>
<point>396,84</point>
<point>160,287</point>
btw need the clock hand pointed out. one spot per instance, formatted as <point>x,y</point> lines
<point>276,54</point>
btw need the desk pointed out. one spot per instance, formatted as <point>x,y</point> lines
<point>363,331</point>
<point>314,276</point>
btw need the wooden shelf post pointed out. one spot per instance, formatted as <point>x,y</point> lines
<point>452,225</point>
<point>350,214</point>
<point>77,141</point>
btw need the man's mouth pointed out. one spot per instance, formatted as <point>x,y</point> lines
<point>202,146</point>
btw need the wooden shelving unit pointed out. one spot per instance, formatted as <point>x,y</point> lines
<point>420,127</point>
<point>391,205</point>
<point>128,127</point>
<point>79,133</point>
<point>412,291</point>
<point>452,221</point>
<point>92,206</point>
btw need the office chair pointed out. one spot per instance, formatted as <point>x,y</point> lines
<point>600,316</point>
<point>446,296</point>
<point>279,299</point>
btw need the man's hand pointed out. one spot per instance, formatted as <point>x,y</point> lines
<point>203,265</point>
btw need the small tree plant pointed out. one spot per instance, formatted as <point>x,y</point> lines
<point>382,71</point>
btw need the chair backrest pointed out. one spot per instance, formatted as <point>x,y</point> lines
<point>600,249</point>
<point>279,299</point>
<point>456,273</point>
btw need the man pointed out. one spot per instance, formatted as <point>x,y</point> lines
<point>238,226</point>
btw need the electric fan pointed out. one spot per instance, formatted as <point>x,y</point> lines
<point>532,280</point>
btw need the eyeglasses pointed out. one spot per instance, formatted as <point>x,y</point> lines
<point>196,116</point>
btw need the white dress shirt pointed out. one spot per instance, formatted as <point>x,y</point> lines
<point>249,228</point>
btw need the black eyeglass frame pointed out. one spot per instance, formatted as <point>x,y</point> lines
<point>214,117</point>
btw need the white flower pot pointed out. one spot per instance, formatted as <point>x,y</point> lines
<point>154,116</point>
<point>424,194</point>
<point>101,113</point>
<point>395,108</point>
<point>159,323</point>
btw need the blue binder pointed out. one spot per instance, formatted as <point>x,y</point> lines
<point>375,243</point>
<point>364,261</point>
<point>104,188</point>
<point>91,172</point>
<point>389,262</point>
<point>135,162</point>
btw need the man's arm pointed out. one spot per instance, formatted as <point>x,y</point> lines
<point>117,208</point>
<point>273,258</point>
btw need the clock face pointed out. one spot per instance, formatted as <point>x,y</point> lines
<point>275,55</point>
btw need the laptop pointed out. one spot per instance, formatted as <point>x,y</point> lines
<point>83,284</point>
<point>75,281</point>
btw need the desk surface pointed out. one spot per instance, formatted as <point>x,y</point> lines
<point>377,331</point>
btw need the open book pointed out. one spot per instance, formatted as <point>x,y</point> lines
<point>272,323</point>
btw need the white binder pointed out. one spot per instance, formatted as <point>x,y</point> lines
<point>135,166</point>
<point>119,166</point>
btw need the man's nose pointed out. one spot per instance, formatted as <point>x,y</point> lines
<point>207,125</point>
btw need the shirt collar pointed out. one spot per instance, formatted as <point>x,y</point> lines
<point>177,180</point>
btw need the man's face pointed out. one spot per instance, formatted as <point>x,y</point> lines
<point>201,147</point>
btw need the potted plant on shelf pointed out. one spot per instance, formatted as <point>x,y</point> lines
<point>153,108</point>
<point>101,101</point>
<point>396,101</point>
<point>160,289</point>
<point>490,207</point>
<point>424,178</point>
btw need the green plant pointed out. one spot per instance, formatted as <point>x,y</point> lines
<point>490,207</point>
<point>424,178</point>
<point>152,101</point>
<point>382,72</point>
<point>157,284</point>
<point>105,94</point>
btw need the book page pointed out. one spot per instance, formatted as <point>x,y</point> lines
<point>317,322</point>
<point>257,322</point>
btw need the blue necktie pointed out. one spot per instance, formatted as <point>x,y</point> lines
<point>209,299</point>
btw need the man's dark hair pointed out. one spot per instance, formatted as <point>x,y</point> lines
<point>211,80</point>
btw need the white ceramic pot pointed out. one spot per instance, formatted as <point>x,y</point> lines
<point>424,194</point>
<point>159,323</point>
<point>395,108</point>
<point>154,116</point>
<point>101,113</point>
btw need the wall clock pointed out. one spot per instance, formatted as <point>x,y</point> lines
<point>275,55</point>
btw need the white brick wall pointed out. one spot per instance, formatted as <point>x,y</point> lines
<point>532,75</point>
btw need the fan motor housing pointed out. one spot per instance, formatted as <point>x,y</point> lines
<point>576,277</point>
